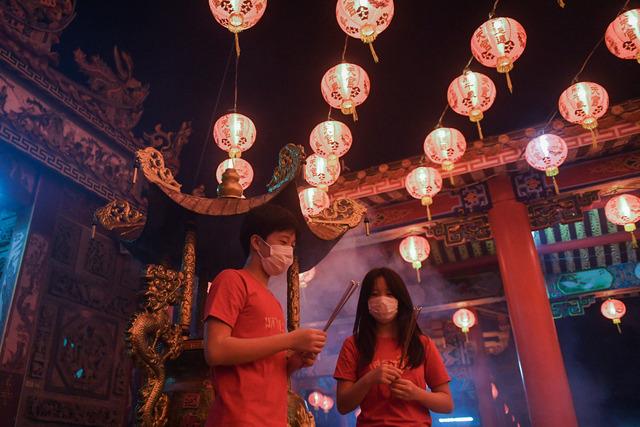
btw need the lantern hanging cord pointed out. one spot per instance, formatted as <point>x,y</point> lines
<point>344,49</point>
<point>575,78</point>
<point>213,113</point>
<point>235,86</point>
<point>492,13</point>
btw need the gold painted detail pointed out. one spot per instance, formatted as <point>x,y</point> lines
<point>119,215</point>
<point>169,143</point>
<point>151,162</point>
<point>293,296</point>
<point>189,270</point>
<point>461,231</point>
<point>298,415</point>
<point>290,160</point>
<point>564,209</point>
<point>337,219</point>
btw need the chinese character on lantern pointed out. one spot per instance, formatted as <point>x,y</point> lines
<point>345,86</point>
<point>237,15</point>
<point>424,183</point>
<point>415,249</point>
<point>613,309</point>
<point>546,153</point>
<point>234,133</point>
<point>445,146</point>
<point>624,210</point>
<point>313,201</point>
<point>331,139</point>
<point>244,169</point>
<point>584,103</point>
<point>498,43</point>
<point>364,19</point>
<point>320,173</point>
<point>623,35</point>
<point>464,319</point>
<point>471,94</point>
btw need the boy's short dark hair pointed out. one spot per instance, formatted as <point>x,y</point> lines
<point>264,220</point>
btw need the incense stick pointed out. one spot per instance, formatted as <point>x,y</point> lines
<point>343,300</point>
<point>407,339</point>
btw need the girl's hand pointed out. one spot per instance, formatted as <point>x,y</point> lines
<point>386,373</point>
<point>404,389</point>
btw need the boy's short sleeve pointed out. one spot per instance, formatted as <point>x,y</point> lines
<point>347,365</point>
<point>435,373</point>
<point>226,298</point>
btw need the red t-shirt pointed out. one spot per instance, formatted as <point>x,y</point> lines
<point>378,407</point>
<point>253,393</point>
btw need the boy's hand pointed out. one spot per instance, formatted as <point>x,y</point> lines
<point>308,340</point>
<point>308,359</point>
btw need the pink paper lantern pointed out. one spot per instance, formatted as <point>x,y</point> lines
<point>623,35</point>
<point>415,249</point>
<point>313,201</point>
<point>445,146</point>
<point>584,103</point>
<point>546,153</point>
<point>424,183</point>
<point>237,15</point>
<point>331,139</point>
<point>326,404</point>
<point>314,399</point>
<point>320,173</point>
<point>498,43</point>
<point>613,309</point>
<point>364,19</point>
<point>345,86</point>
<point>624,210</point>
<point>241,166</point>
<point>234,133</point>
<point>471,94</point>
<point>464,319</point>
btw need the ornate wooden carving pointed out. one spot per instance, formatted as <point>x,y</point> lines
<point>564,209</point>
<point>169,143</point>
<point>119,215</point>
<point>342,215</point>
<point>189,271</point>
<point>461,231</point>
<point>290,159</point>
<point>152,164</point>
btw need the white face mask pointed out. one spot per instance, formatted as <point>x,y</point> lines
<point>279,260</point>
<point>384,309</point>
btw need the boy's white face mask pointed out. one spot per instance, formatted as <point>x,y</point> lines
<point>279,260</point>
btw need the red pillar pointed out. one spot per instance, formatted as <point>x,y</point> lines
<point>545,380</point>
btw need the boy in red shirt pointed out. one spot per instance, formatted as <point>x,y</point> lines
<point>244,335</point>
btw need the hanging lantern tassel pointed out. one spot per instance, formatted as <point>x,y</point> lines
<point>417,265</point>
<point>235,36</point>
<point>367,226</point>
<point>509,85</point>
<point>354,113</point>
<point>373,52</point>
<point>630,228</point>
<point>466,334</point>
<point>134,179</point>
<point>561,3</point>
<point>594,134</point>
<point>617,323</point>
<point>479,129</point>
<point>552,174</point>
<point>93,231</point>
<point>427,202</point>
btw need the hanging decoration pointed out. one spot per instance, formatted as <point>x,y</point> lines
<point>445,146</point>
<point>331,139</point>
<point>584,103</point>
<point>623,35</point>
<point>624,210</point>
<point>364,19</point>
<point>313,201</point>
<point>424,183</point>
<point>471,94</point>
<point>234,133</point>
<point>613,309</point>
<point>345,86</point>
<point>306,277</point>
<point>546,153</point>
<point>464,319</point>
<point>244,169</point>
<point>237,15</point>
<point>319,173</point>
<point>326,404</point>
<point>415,249</point>
<point>315,399</point>
<point>498,43</point>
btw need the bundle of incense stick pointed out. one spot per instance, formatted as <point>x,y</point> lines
<point>345,297</point>
<point>407,340</point>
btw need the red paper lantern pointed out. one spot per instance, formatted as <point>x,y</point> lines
<point>331,139</point>
<point>584,103</point>
<point>326,404</point>
<point>320,173</point>
<point>237,15</point>
<point>613,309</point>
<point>415,249</point>
<point>445,146</point>
<point>234,133</point>
<point>498,43</point>
<point>364,19</point>
<point>314,399</point>
<point>546,153</point>
<point>313,201</point>
<point>464,319</point>
<point>623,35</point>
<point>241,166</point>
<point>624,210</point>
<point>345,86</point>
<point>471,94</point>
<point>424,183</point>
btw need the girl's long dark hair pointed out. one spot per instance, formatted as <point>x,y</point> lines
<point>364,328</point>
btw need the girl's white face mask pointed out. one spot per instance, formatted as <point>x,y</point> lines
<point>383,308</point>
<point>279,260</point>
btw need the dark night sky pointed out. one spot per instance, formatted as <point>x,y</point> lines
<point>181,51</point>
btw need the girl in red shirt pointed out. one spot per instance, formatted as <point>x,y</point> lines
<point>369,370</point>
